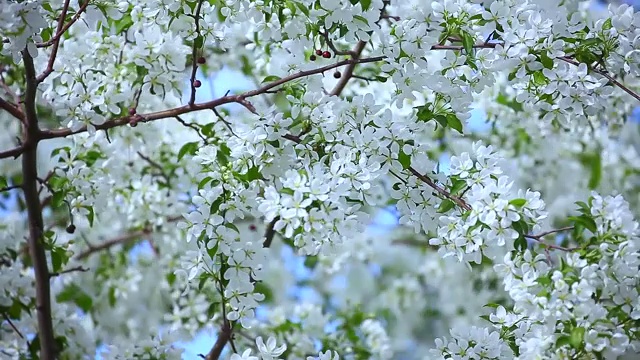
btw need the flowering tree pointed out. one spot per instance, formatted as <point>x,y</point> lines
<point>526,248</point>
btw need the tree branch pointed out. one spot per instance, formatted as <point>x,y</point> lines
<point>61,31</point>
<point>56,42</point>
<point>9,188</point>
<point>73,269</point>
<point>194,68</point>
<point>223,337</point>
<point>427,180</point>
<point>348,73</point>
<point>48,350</point>
<point>538,238</point>
<point>270,232</point>
<point>227,99</point>
<point>11,109</point>
<point>121,239</point>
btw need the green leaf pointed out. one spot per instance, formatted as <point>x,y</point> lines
<point>446,205</point>
<point>365,4</point>
<point>442,120</point>
<point>91,215</point>
<point>518,202</point>
<point>467,43</point>
<point>454,123</point>
<point>73,293</point>
<point>596,171</point>
<point>404,159</point>
<point>188,148</point>
<point>577,337</point>
<point>563,341</point>
<point>520,244</point>
<point>254,174</point>
<point>361,18</point>
<point>304,9</point>
<point>546,61</point>
<point>124,23</point>
<point>516,106</point>
<point>493,305</point>
<point>3,182</point>
<point>311,262</point>
<point>270,78</point>
<point>204,182</point>
<point>585,221</point>
<point>457,186</point>
<point>424,113</point>
<point>57,199</point>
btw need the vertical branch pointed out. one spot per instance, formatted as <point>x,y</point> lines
<point>31,134</point>
<point>56,42</point>
<point>348,73</point>
<point>194,69</point>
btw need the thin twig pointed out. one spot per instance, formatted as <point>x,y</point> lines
<point>224,121</point>
<point>66,27</point>
<point>9,188</point>
<point>194,53</point>
<point>59,32</point>
<point>13,326</point>
<point>606,75</point>
<point>538,238</point>
<point>427,180</point>
<point>192,126</point>
<point>270,232</point>
<point>73,269</point>
<point>154,164</point>
<point>121,240</point>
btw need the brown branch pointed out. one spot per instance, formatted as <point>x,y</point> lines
<point>73,269</point>
<point>192,126</point>
<point>223,337</point>
<point>606,75</point>
<point>115,241</point>
<point>13,326</point>
<point>333,48</point>
<point>227,99</point>
<point>348,72</point>
<point>440,189</point>
<point>48,350</point>
<point>270,232</point>
<point>56,43</point>
<point>11,109</point>
<point>538,238</point>
<point>194,68</point>
<point>159,167</point>
<point>16,99</point>
<point>66,27</point>
<point>14,153</point>
<point>121,240</point>
<point>9,188</point>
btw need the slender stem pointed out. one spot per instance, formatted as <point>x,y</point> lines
<point>194,53</point>
<point>121,240</point>
<point>66,27</point>
<point>73,269</point>
<point>427,180</point>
